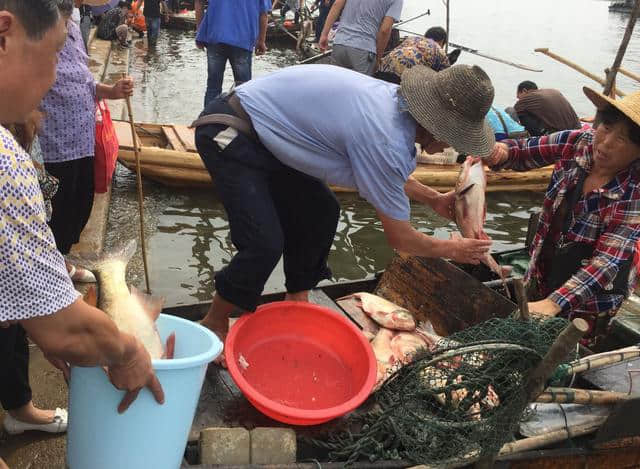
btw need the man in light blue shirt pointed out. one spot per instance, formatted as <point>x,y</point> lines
<point>230,30</point>
<point>272,166</point>
<point>363,33</point>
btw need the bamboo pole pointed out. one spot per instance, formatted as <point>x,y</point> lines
<point>446,44</point>
<point>611,76</point>
<point>561,347</point>
<point>576,67</point>
<point>629,74</point>
<point>583,396</point>
<point>136,149</point>
<point>608,358</point>
<point>534,442</point>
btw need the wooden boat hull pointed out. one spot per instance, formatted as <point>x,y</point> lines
<point>162,162</point>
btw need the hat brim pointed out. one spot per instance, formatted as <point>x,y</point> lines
<point>464,135</point>
<point>95,3</point>
<point>600,101</point>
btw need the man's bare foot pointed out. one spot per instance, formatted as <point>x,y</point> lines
<point>31,414</point>
<point>3,465</point>
<point>297,296</point>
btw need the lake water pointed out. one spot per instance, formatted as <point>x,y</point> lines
<point>187,231</point>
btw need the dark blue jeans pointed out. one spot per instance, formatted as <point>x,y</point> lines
<point>217,56</point>
<point>153,29</point>
<point>273,210</point>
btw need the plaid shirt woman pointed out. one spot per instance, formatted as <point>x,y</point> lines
<point>606,214</point>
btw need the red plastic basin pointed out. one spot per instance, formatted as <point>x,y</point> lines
<point>300,363</point>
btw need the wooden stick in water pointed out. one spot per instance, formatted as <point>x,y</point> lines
<point>611,76</point>
<point>136,149</point>
<point>576,67</point>
<point>583,396</point>
<point>631,75</point>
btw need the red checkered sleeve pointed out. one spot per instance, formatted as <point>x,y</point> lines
<point>613,247</point>
<point>536,152</point>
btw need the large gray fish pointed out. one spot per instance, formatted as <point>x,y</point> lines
<point>132,311</point>
<point>471,208</point>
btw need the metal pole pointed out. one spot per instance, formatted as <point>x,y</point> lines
<point>446,44</point>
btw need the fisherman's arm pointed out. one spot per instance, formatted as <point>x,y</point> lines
<point>403,237</point>
<point>382,38</point>
<point>199,9</point>
<point>442,204</point>
<point>613,248</point>
<point>261,43</point>
<point>332,17</point>
<point>535,152</point>
<point>84,336</point>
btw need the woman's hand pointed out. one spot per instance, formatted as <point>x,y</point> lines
<point>498,156</point>
<point>133,374</point>
<point>122,89</point>
<point>544,307</point>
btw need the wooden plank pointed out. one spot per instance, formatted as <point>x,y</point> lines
<point>172,137</point>
<point>318,297</point>
<point>353,310</point>
<point>187,137</point>
<point>435,290</point>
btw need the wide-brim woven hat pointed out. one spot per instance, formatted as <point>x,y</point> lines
<point>452,105</point>
<point>629,105</point>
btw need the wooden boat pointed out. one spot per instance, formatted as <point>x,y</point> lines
<point>430,288</point>
<point>168,155</point>
<point>622,6</point>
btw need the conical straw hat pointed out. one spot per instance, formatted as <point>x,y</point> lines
<point>629,105</point>
<point>452,105</point>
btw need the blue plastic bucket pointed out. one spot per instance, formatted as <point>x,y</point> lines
<point>147,435</point>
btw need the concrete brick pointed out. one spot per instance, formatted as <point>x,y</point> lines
<point>273,446</point>
<point>225,446</point>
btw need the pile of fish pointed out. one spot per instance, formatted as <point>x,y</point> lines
<point>399,336</point>
<point>397,341</point>
<point>132,311</point>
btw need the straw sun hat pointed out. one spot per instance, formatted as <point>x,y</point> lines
<point>629,105</point>
<point>452,105</point>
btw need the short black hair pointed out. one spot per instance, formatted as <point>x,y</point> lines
<point>122,3</point>
<point>436,33</point>
<point>611,115</point>
<point>527,85</point>
<point>65,7</point>
<point>36,16</point>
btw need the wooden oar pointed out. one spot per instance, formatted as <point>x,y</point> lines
<point>481,54</point>
<point>576,67</point>
<point>136,149</point>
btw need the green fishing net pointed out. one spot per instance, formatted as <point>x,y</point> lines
<point>452,405</point>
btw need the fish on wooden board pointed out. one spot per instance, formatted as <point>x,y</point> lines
<point>385,313</point>
<point>471,207</point>
<point>132,311</point>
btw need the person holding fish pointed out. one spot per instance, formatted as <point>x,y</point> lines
<point>582,256</point>
<point>37,298</point>
<point>272,163</point>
